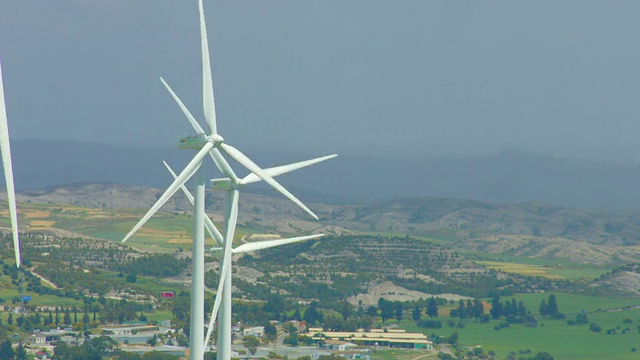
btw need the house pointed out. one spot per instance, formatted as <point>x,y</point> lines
<point>36,339</point>
<point>399,339</point>
<point>257,331</point>
<point>53,335</point>
<point>338,345</point>
<point>120,331</point>
<point>166,349</point>
<point>166,323</point>
<point>300,325</point>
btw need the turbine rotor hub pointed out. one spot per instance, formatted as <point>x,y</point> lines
<point>217,139</point>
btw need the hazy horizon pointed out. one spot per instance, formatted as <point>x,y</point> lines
<point>404,80</point>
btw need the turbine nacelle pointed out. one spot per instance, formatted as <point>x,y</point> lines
<point>225,184</point>
<point>193,142</point>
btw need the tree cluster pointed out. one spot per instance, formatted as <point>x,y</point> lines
<point>550,308</point>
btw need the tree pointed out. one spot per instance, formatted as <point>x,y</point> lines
<point>543,355</point>
<point>551,308</point>
<point>10,318</point>
<point>271,331</point>
<point>552,305</point>
<point>386,309</point>
<point>6,350</point>
<point>372,311</point>
<point>543,308</point>
<point>312,315</point>
<point>126,355</point>
<point>85,317</point>
<point>399,310</point>
<point>522,310</point>
<point>297,315</point>
<point>416,314</point>
<point>132,278</point>
<point>291,340</point>
<point>432,307</point>
<point>21,353</point>
<point>462,310</point>
<point>251,343</point>
<point>346,310</point>
<point>181,308</point>
<point>67,317</point>
<point>478,308</point>
<point>496,307</point>
<point>153,341</point>
<point>274,304</point>
<point>453,339</point>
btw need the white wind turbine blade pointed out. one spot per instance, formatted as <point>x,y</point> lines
<point>208,102</point>
<point>223,165</point>
<point>211,227</point>
<point>232,218</point>
<point>260,245</point>
<point>5,147</point>
<point>246,162</point>
<point>217,302</point>
<point>187,113</point>
<point>185,175</point>
<point>279,170</point>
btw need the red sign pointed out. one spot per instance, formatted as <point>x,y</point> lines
<point>167,294</point>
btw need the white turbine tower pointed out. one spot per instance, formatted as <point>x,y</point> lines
<point>223,295</point>
<point>213,144</point>
<point>5,148</point>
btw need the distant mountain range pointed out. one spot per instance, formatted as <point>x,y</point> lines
<point>509,177</point>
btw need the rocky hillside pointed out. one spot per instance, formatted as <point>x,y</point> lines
<point>525,229</point>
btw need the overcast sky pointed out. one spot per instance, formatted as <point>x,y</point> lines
<point>385,78</point>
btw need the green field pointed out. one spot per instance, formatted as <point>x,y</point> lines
<point>399,354</point>
<point>550,268</point>
<point>555,336</point>
<point>144,283</point>
<point>401,235</point>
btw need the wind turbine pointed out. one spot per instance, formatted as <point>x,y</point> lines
<point>5,148</point>
<point>213,144</point>
<point>223,294</point>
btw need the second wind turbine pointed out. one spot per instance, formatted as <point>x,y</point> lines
<point>213,144</point>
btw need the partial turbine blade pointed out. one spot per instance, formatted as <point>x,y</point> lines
<point>211,227</point>
<point>184,109</point>
<point>208,102</point>
<point>185,175</point>
<point>279,170</point>
<point>260,245</point>
<point>246,162</point>
<point>8,171</point>
<point>223,165</point>
<point>232,218</point>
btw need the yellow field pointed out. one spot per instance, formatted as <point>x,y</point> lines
<point>36,214</point>
<point>185,240</point>
<point>42,223</point>
<point>520,269</point>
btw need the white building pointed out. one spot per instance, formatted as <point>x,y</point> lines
<point>257,331</point>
